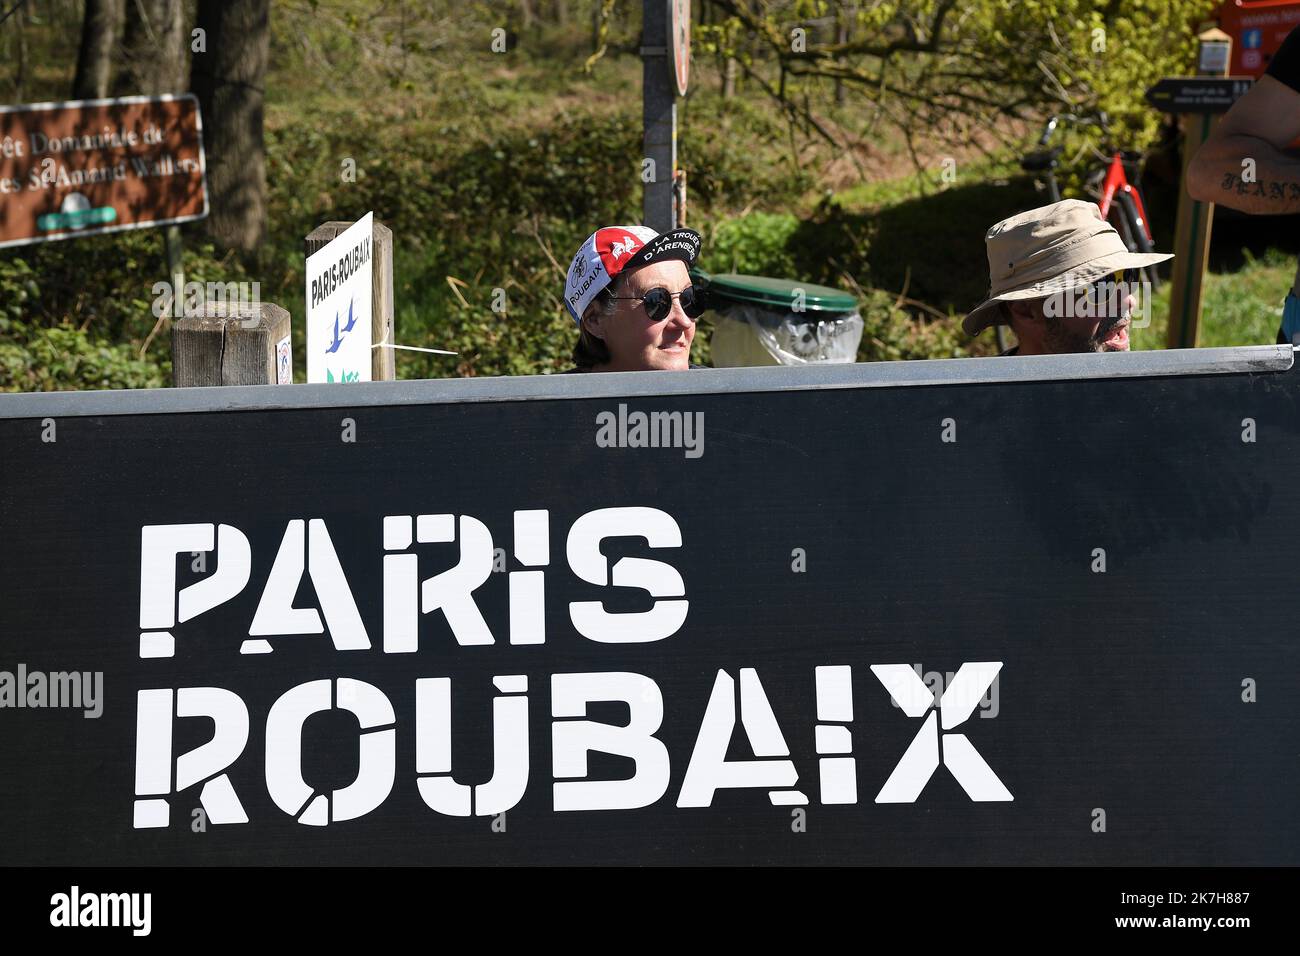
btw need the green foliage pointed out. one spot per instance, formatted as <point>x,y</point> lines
<point>736,156</point>
<point>18,289</point>
<point>76,313</point>
<point>65,308</point>
<point>929,248</point>
<point>104,283</point>
<point>41,359</point>
<point>926,65</point>
<point>892,334</point>
<point>757,244</point>
<point>1100,55</point>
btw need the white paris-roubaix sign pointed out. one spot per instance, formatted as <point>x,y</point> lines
<point>338,306</point>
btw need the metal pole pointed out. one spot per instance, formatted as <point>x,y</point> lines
<point>174,249</point>
<point>659,118</point>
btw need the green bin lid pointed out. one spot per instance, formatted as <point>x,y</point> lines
<point>779,294</point>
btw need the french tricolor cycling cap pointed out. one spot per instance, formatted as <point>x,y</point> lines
<point>613,249</point>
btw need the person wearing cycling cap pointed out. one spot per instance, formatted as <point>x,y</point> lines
<point>1063,279</point>
<point>629,290</point>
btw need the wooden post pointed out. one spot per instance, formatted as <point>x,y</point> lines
<point>679,199</point>
<point>228,343</point>
<point>1195,218</point>
<point>383,364</point>
<point>174,250</point>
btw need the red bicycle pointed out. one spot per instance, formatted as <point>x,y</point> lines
<point>1119,199</point>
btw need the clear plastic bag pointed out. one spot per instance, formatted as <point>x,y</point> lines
<point>746,335</point>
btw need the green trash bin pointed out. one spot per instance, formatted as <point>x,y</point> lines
<point>763,321</point>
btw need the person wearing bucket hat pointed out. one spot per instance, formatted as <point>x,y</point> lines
<point>1063,279</point>
<point>630,293</point>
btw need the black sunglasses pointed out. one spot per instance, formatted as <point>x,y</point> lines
<point>1126,279</point>
<point>659,302</point>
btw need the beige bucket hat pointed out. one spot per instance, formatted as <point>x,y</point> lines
<point>1050,250</point>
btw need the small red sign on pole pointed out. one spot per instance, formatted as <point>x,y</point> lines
<point>679,37</point>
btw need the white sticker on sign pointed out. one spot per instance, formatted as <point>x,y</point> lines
<point>338,306</point>
<point>283,362</point>
<point>1214,56</point>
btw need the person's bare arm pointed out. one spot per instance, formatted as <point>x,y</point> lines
<point>1258,128</point>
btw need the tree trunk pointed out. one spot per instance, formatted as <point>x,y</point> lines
<point>20,81</point>
<point>842,37</point>
<point>99,31</point>
<point>229,78</point>
<point>729,68</point>
<point>153,47</point>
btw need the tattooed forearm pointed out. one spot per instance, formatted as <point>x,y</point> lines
<point>1269,190</point>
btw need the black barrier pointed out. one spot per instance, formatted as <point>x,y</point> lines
<point>992,611</point>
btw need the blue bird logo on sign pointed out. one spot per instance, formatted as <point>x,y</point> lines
<point>338,339</point>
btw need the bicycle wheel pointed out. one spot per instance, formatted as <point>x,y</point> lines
<point>1124,225</point>
<point>1135,236</point>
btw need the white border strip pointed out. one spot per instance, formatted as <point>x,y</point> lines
<point>1250,360</point>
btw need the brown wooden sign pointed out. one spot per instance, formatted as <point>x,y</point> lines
<point>78,168</point>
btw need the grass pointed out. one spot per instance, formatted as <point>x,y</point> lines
<point>918,185</point>
<point>1237,308</point>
